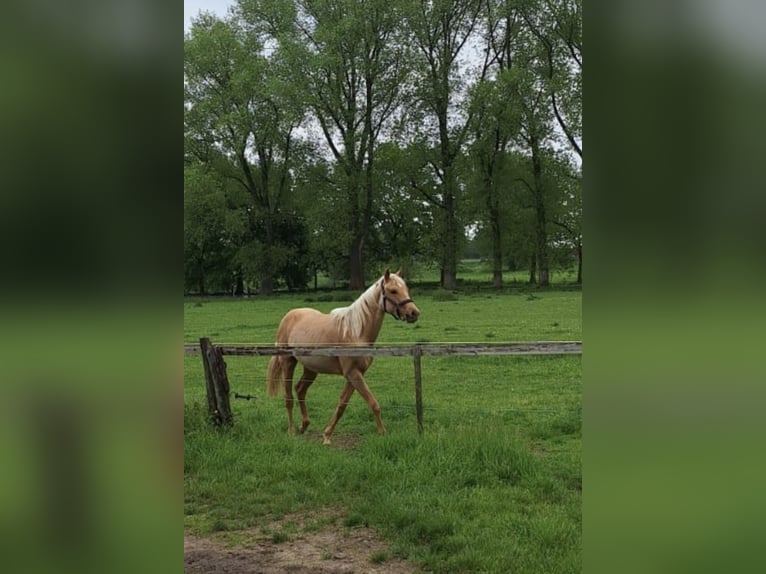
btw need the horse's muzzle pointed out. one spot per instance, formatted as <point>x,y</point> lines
<point>412,314</point>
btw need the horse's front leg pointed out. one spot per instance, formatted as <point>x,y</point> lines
<point>355,381</point>
<point>361,387</point>
<point>345,396</point>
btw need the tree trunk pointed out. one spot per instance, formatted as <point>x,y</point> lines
<point>541,234</point>
<point>267,284</point>
<point>239,288</point>
<point>533,270</point>
<point>201,284</point>
<point>356,264</point>
<point>368,177</point>
<point>497,246</point>
<point>449,277</point>
<point>497,278</point>
<point>542,249</point>
<point>449,271</point>
<point>355,224</point>
<point>579,264</point>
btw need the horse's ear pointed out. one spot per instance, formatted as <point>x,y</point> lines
<point>399,272</point>
<point>387,274</point>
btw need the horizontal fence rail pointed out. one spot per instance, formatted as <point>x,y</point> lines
<point>218,383</point>
<point>431,349</point>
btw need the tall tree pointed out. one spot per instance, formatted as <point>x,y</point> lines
<point>403,222</point>
<point>530,102</point>
<point>556,25</point>
<point>441,30</point>
<point>533,137</point>
<point>495,122</point>
<point>351,63</point>
<point>212,231</point>
<point>323,201</point>
<point>240,120</point>
<point>566,212</point>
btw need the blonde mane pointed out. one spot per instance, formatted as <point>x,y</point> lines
<point>353,318</point>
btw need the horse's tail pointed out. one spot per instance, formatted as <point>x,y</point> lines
<point>274,376</point>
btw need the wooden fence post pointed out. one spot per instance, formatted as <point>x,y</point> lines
<point>217,382</point>
<point>417,352</point>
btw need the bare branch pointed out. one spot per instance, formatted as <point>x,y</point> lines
<point>526,183</point>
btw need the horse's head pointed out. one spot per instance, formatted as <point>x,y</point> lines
<point>396,298</point>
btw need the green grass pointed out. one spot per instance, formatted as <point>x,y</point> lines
<point>549,315</point>
<point>378,557</point>
<point>493,484</point>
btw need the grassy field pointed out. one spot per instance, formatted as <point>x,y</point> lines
<point>479,271</point>
<point>493,484</point>
<point>473,272</point>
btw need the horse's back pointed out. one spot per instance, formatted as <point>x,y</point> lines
<point>308,327</point>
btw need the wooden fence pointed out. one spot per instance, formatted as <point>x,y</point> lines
<point>218,383</point>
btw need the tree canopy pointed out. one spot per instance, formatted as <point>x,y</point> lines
<point>339,136</point>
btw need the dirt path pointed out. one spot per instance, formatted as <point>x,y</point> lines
<point>332,550</point>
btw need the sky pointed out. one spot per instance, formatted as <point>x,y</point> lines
<point>192,8</point>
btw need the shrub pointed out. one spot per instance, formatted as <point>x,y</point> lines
<point>444,295</point>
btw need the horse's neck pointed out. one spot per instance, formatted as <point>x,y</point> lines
<point>372,328</point>
<point>361,321</point>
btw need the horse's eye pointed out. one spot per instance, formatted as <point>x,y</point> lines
<point>393,291</point>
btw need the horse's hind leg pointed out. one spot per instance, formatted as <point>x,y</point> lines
<point>288,368</point>
<point>345,396</point>
<point>301,388</point>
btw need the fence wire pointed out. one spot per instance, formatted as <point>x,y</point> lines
<point>247,376</point>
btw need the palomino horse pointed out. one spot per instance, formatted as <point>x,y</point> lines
<point>357,324</point>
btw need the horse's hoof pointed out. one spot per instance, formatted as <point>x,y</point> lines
<point>303,428</point>
<point>326,441</point>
